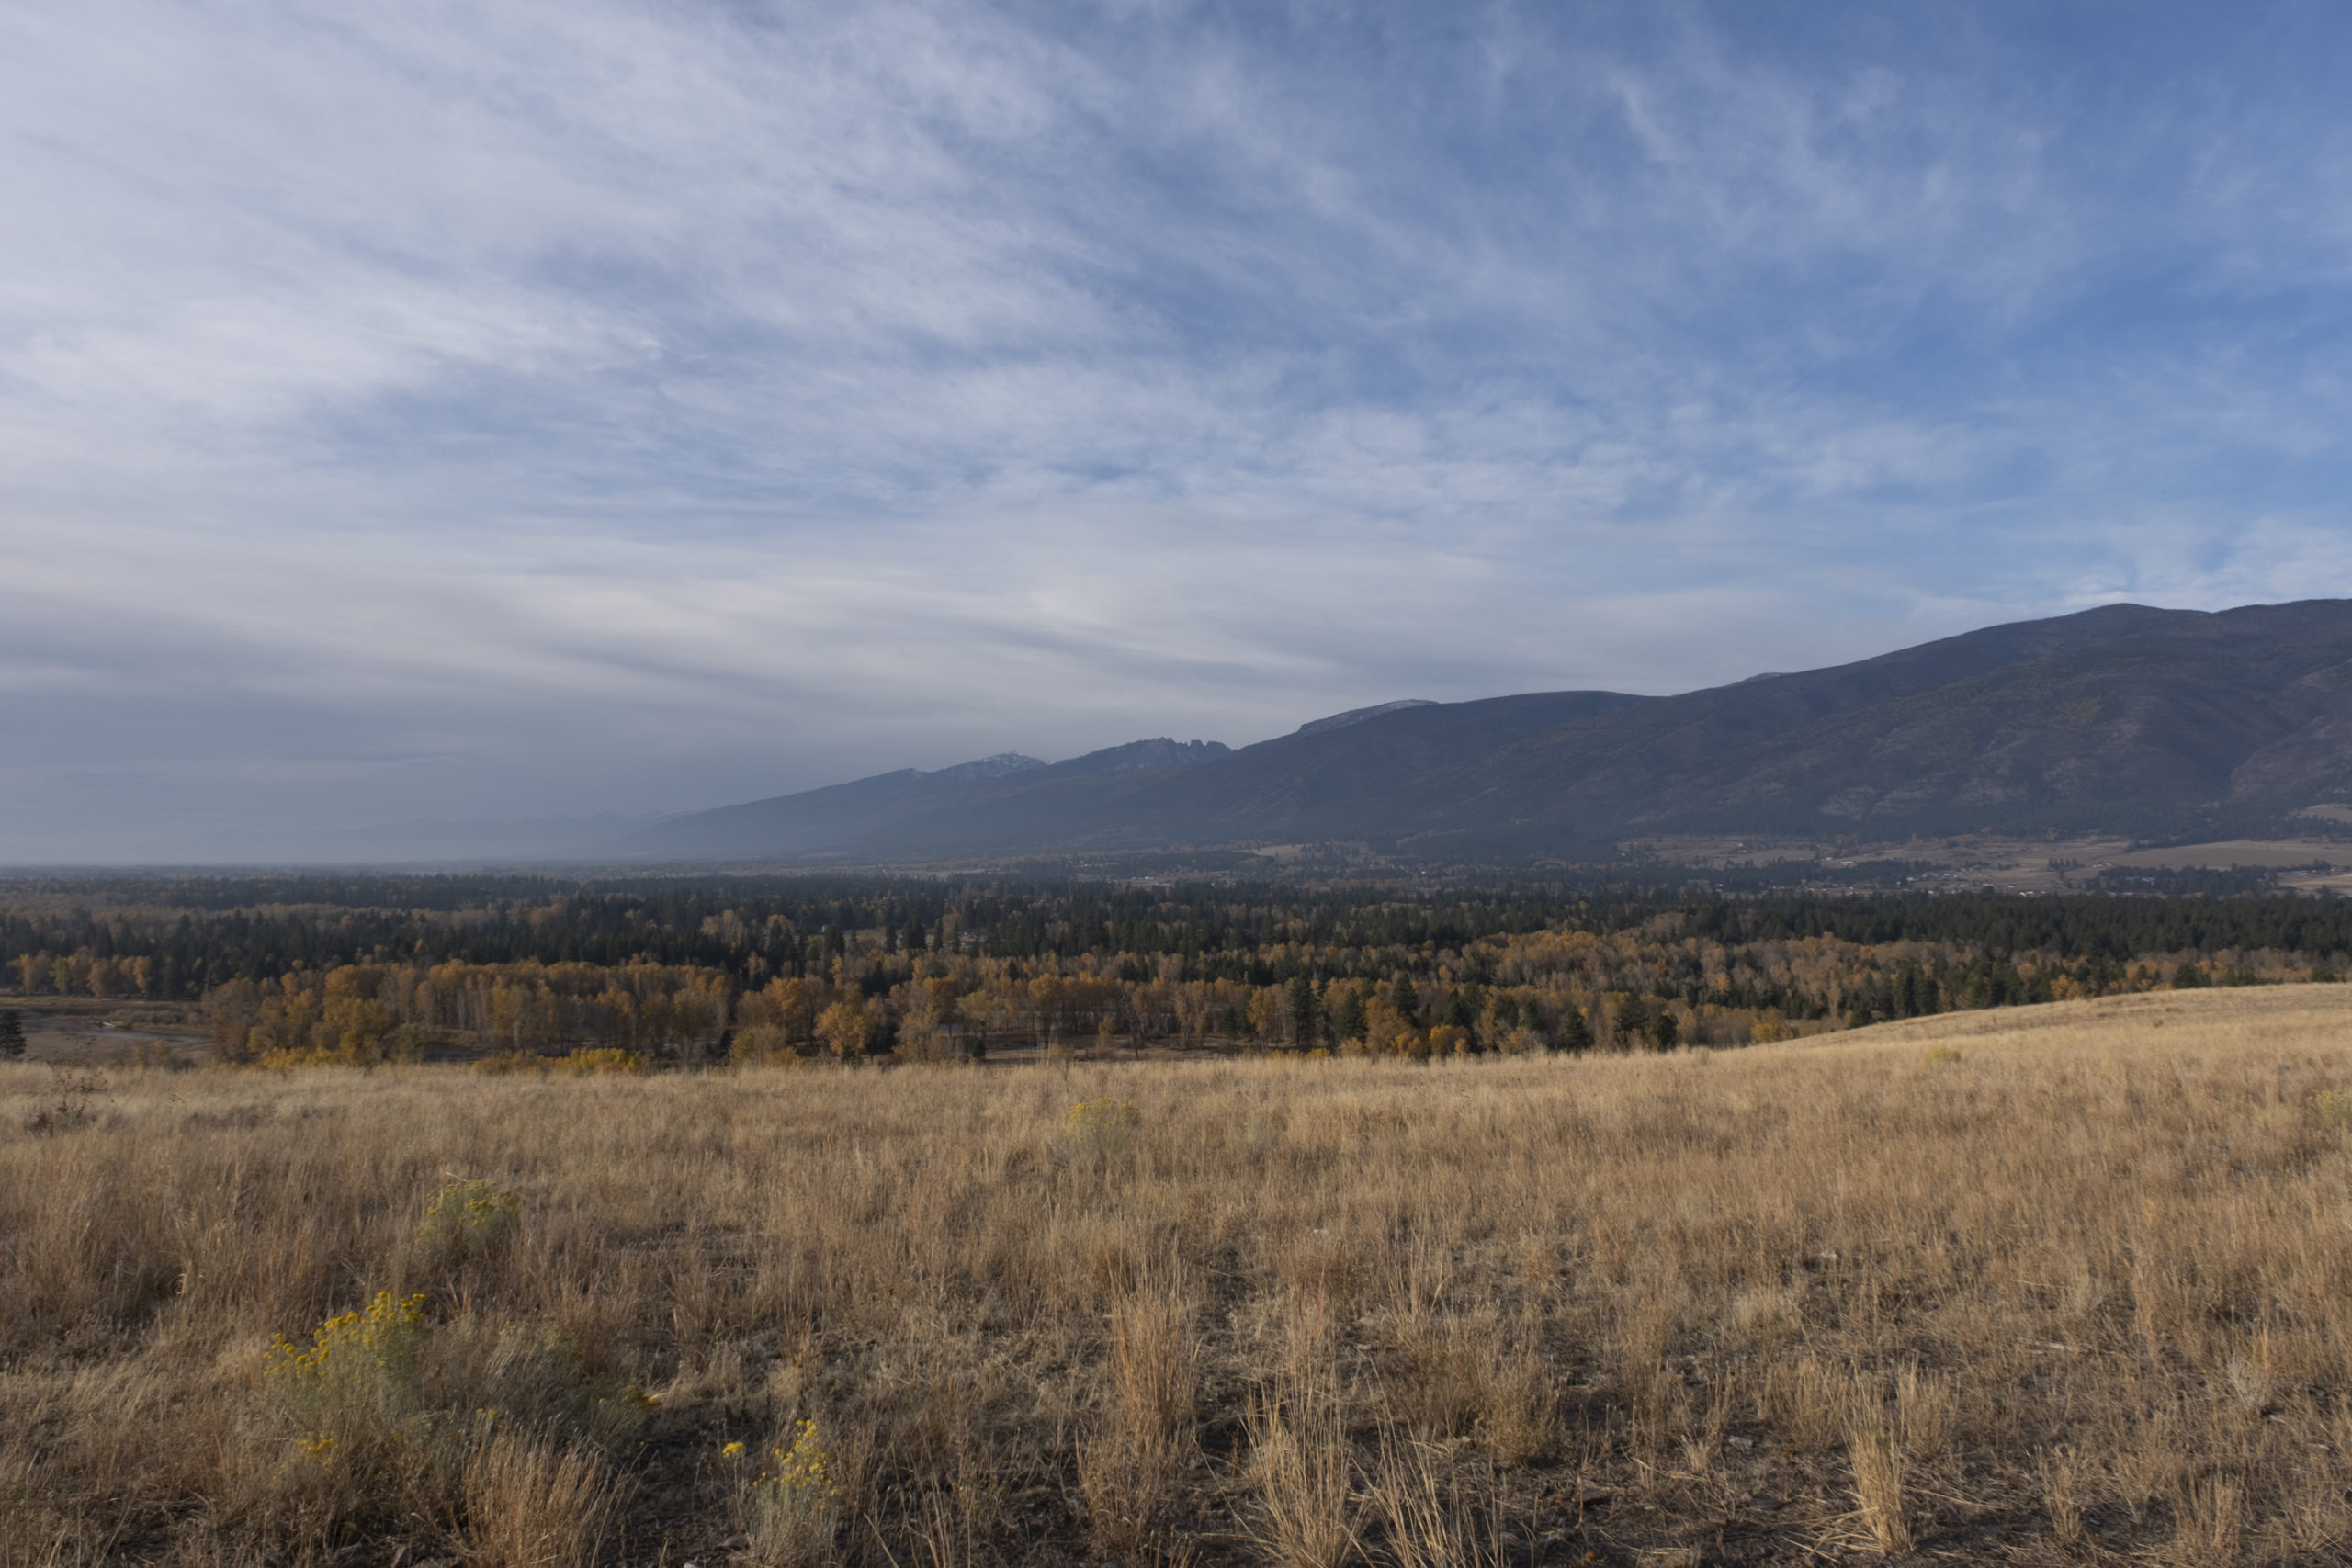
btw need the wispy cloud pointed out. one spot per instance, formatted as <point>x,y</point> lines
<point>460,409</point>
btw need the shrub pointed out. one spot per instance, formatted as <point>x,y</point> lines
<point>603,1059</point>
<point>1940,1056</point>
<point>152,1057</point>
<point>294,1056</point>
<point>467,1219</point>
<point>1103,1130</point>
<point>763,1044</point>
<point>73,1110</point>
<point>359,1371</point>
<point>2333,1106</point>
<point>790,1512</point>
<point>1450,1040</point>
<point>498,1429</point>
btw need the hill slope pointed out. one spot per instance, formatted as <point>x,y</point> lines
<point>2125,718</point>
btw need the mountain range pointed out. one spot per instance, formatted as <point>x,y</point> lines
<point>2124,720</point>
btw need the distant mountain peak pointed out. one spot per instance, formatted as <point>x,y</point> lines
<point>1357,716</point>
<point>994,767</point>
<point>1136,756</point>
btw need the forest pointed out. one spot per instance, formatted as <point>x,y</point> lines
<point>650,970</point>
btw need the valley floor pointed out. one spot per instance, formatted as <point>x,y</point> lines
<point>2029,1286</point>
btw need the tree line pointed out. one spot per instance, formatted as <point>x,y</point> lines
<point>772,968</point>
<point>178,939</point>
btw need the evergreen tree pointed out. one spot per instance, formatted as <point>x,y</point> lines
<point>12,1035</point>
<point>1347,1018</point>
<point>1405,999</point>
<point>1304,1012</point>
<point>1576,1035</point>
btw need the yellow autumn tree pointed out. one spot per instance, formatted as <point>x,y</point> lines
<point>846,1027</point>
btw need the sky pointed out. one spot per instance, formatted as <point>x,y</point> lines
<point>445,412</point>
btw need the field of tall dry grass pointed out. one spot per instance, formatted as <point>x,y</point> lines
<point>2038,1286</point>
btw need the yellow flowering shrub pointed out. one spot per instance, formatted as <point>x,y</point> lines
<point>357,1364</point>
<point>1101,1130</point>
<point>467,1218</point>
<point>388,1385</point>
<point>790,1512</point>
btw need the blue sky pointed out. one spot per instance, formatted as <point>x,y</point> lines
<point>491,411</point>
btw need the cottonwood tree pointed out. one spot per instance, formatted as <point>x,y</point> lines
<point>846,1027</point>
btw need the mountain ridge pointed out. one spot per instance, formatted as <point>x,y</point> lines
<point>2123,718</point>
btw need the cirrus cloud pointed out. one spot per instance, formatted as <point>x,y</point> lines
<point>461,410</point>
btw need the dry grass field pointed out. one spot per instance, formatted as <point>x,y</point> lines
<point>2036,1286</point>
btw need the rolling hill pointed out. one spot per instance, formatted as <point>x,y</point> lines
<point>2150,722</point>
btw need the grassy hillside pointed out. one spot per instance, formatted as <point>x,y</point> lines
<point>2025,1286</point>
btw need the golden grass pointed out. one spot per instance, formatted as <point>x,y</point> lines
<point>2032,1286</point>
<point>529,1506</point>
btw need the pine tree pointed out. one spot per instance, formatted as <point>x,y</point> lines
<point>1304,1012</point>
<point>12,1037</point>
<point>1405,1000</point>
<point>1347,1018</point>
